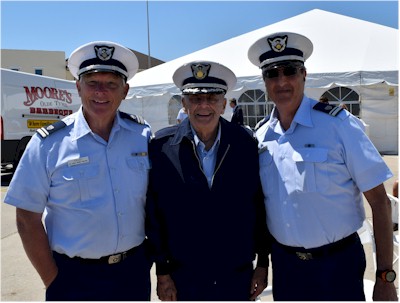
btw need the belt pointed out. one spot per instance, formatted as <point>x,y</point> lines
<point>325,250</point>
<point>111,259</point>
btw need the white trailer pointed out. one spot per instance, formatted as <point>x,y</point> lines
<point>29,102</point>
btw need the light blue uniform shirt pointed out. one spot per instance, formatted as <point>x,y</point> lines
<point>207,158</point>
<point>313,176</point>
<point>94,191</point>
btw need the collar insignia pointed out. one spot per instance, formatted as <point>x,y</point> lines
<point>103,52</point>
<point>278,44</point>
<point>200,71</point>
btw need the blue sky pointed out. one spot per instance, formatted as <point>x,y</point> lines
<point>176,28</point>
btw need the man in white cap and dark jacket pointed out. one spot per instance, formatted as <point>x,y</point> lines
<point>315,164</point>
<point>204,232</point>
<point>89,172</point>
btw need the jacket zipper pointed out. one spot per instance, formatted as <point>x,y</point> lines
<point>219,164</point>
<point>197,157</point>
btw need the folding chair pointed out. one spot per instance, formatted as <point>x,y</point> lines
<point>366,234</point>
<point>394,201</point>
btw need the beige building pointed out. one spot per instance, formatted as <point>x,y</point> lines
<point>52,63</point>
<point>46,63</point>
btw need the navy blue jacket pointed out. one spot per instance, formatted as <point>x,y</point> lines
<point>189,224</point>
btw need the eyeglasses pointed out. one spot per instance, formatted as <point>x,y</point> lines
<point>287,71</point>
<point>200,98</point>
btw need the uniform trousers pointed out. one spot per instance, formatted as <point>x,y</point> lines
<point>214,284</point>
<point>330,276</point>
<point>79,280</point>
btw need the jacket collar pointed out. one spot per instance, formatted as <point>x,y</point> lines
<point>185,130</point>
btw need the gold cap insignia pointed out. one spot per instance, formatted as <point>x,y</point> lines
<point>200,71</point>
<point>278,44</point>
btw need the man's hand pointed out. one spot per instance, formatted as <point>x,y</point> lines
<point>384,291</point>
<point>166,290</point>
<point>259,282</point>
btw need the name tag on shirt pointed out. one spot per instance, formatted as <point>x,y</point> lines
<point>78,161</point>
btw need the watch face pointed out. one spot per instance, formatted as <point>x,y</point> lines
<point>390,276</point>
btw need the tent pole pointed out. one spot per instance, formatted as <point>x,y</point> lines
<point>148,36</point>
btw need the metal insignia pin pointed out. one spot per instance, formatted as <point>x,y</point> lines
<point>104,52</point>
<point>200,71</point>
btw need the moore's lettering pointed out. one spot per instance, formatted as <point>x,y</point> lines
<point>35,93</point>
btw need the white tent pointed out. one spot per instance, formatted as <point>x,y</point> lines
<point>348,52</point>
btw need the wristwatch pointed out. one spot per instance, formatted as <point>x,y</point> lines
<point>387,275</point>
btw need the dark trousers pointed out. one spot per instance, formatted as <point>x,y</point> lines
<point>128,280</point>
<point>214,284</point>
<point>336,276</point>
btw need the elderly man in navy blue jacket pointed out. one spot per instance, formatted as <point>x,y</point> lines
<point>205,213</point>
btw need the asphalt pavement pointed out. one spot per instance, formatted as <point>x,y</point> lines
<point>20,282</point>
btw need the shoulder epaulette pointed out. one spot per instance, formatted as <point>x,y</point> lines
<point>328,109</point>
<point>136,118</point>
<point>261,123</point>
<point>49,129</point>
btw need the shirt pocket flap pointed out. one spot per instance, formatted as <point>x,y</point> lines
<point>142,163</point>
<point>80,172</point>
<point>310,155</point>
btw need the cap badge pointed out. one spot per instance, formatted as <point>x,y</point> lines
<point>278,44</point>
<point>104,52</point>
<point>200,71</point>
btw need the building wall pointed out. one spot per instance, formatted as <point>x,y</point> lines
<point>51,62</point>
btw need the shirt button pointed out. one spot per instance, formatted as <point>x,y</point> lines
<point>287,225</point>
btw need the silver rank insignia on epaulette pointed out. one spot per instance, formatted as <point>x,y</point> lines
<point>328,109</point>
<point>261,122</point>
<point>49,129</point>
<point>136,118</point>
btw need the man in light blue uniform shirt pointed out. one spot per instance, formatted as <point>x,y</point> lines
<point>89,173</point>
<point>315,163</point>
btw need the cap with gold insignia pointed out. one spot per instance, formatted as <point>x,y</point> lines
<point>279,47</point>
<point>204,77</point>
<point>103,56</point>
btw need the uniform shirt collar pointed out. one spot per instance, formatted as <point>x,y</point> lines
<point>302,116</point>
<point>200,145</point>
<point>82,128</point>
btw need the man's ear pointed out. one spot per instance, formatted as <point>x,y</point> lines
<point>223,106</point>
<point>78,87</point>
<point>183,102</point>
<point>126,90</point>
